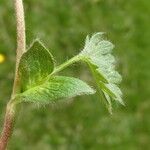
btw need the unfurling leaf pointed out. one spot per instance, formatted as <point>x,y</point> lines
<point>35,65</point>
<point>97,54</point>
<point>54,89</point>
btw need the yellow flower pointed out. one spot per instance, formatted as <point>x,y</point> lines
<point>2,58</point>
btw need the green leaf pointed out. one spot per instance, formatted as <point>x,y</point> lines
<point>97,54</point>
<point>54,89</point>
<point>35,65</point>
<point>98,75</point>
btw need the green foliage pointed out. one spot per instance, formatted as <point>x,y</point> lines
<point>97,54</point>
<point>35,65</point>
<point>56,88</point>
<point>37,82</point>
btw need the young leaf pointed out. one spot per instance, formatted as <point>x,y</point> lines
<point>35,65</point>
<point>54,89</point>
<point>97,54</point>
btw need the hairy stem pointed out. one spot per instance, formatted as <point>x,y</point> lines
<point>8,126</point>
<point>21,47</point>
<point>21,39</point>
<point>66,64</point>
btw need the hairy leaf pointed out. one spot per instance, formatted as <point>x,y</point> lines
<point>55,88</point>
<point>97,54</point>
<point>36,64</point>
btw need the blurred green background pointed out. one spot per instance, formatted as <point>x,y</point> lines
<point>83,124</point>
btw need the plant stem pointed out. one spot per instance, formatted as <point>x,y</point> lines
<point>21,47</point>
<point>8,126</point>
<point>66,64</point>
<point>21,39</point>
